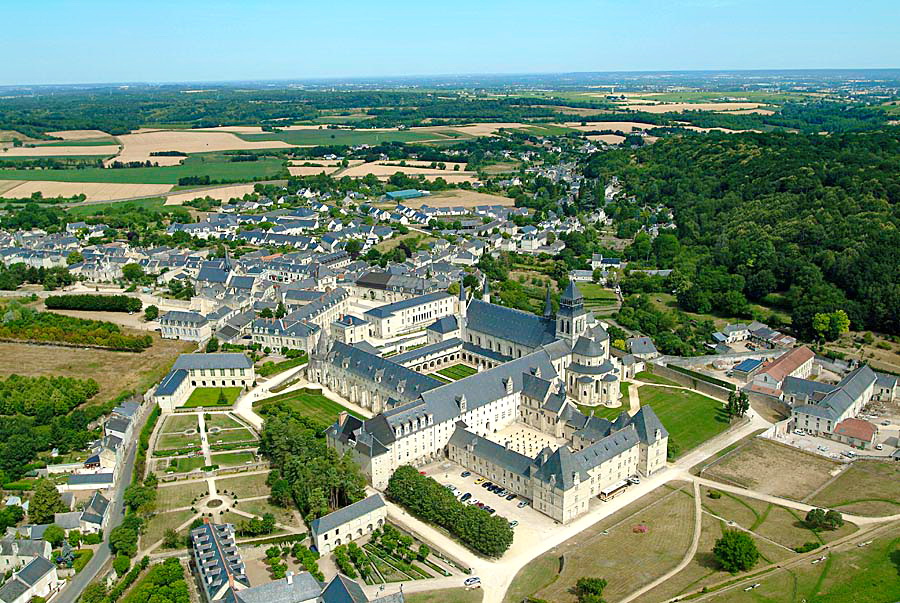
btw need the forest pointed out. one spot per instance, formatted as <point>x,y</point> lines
<point>805,222</point>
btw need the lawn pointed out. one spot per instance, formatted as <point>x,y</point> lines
<point>214,165</point>
<point>230,436</point>
<point>179,423</point>
<point>309,403</point>
<point>866,488</point>
<point>651,378</point>
<point>626,559</point>
<point>605,412</point>
<point>773,468</point>
<point>457,371</point>
<point>859,574</point>
<point>326,137</point>
<point>261,507</point>
<point>156,527</point>
<point>267,369</point>
<point>209,396</point>
<point>222,421</point>
<point>184,464</point>
<point>83,210</point>
<point>179,494</point>
<point>245,486</point>
<point>689,417</point>
<point>446,595</point>
<point>596,296</point>
<point>233,459</point>
<point>177,441</point>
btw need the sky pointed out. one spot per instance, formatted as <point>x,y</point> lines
<point>99,41</point>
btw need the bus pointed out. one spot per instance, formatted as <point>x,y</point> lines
<point>610,492</point>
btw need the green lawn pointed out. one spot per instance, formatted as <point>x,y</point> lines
<point>232,459</point>
<point>269,368</point>
<point>209,396</point>
<point>446,595</point>
<point>651,378</point>
<point>90,209</point>
<point>342,137</point>
<point>605,412</point>
<point>245,486</point>
<point>457,371</point>
<point>176,441</point>
<point>179,423</point>
<point>230,436</point>
<point>180,494</point>
<point>184,464</point>
<point>689,417</point>
<point>156,527</point>
<point>310,403</point>
<point>222,421</point>
<point>214,165</point>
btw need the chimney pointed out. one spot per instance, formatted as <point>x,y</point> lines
<point>342,418</point>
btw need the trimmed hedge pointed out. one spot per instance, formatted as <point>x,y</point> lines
<point>97,303</point>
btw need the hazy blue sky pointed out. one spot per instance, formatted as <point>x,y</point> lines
<point>77,41</point>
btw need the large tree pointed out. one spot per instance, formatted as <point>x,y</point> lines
<point>735,551</point>
<point>45,502</point>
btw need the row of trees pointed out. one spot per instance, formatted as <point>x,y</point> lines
<point>425,498</point>
<point>22,323</point>
<point>97,303</point>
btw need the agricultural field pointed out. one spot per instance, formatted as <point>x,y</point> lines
<point>137,146</point>
<point>596,296</point>
<point>459,197</point>
<point>222,193</point>
<point>383,172</point>
<point>457,371</point>
<point>94,191</point>
<point>773,468</point>
<point>309,403</point>
<point>115,372</point>
<point>629,548</point>
<point>689,417</point>
<point>82,149</point>
<point>324,137</point>
<point>865,488</point>
<point>209,396</point>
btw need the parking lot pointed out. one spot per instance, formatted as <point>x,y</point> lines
<point>887,437</point>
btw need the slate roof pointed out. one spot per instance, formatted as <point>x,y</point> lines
<point>641,345</point>
<point>430,348</point>
<point>303,587</point>
<point>83,479</point>
<point>170,382</point>
<point>372,367</point>
<point>391,309</point>
<point>836,402</point>
<point>342,589</point>
<point>519,327</point>
<point>223,360</point>
<point>24,547</point>
<point>447,324</point>
<point>338,518</point>
<point>36,569</point>
<point>185,317</point>
<point>805,387</point>
<point>493,452</point>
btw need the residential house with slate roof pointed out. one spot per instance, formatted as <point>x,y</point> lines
<point>18,552</point>
<point>181,324</point>
<point>37,579</point>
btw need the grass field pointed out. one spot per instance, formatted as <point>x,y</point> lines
<point>651,378</point>
<point>90,209</point>
<point>605,412</point>
<point>446,595</point>
<point>214,165</point>
<point>179,423</point>
<point>866,488</point>
<point>86,142</point>
<point>596,296</point>
<point>232,459</point>
<point>626,559</point>
<point>412,237</point>
<point>774,469</point>
<point>231,436</point>
<point>689,417</point>
<point>175,441</point>
<point>310,403</point>
<point>855,574</point>
<point>261,507</point>
<point>222,421</point>
<point>326,137</point>
<point>457,371</point>
<point>209,396</point>
<point>184,464</point>
<point>156,527</point>
<point>245,486</point>
<point>179,495</point>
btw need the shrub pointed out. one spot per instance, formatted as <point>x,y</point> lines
<point>714,494</point>
<point>807,547</point>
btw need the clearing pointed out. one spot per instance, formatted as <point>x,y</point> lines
<point>689,417</point>
<point>309,403</point>
<point>115,372</point>
<point>773,468</point>
<point>630,548</point>
<point>209,396</point>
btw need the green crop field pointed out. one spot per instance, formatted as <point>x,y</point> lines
<point>310,403</point>
<point>327,137</point>
<point>209,396</point>
<point>90,209</point>
<point>214,165</point>
<point>457,371</point>
<point>689,417</point>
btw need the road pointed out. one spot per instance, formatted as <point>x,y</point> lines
<point>77,584</point>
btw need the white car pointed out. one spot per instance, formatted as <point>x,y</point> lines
<point>472,581</point>
<point>879,447</point>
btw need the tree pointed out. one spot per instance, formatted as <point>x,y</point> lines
<point>54,535</point>
<point>170,538</point>
<point>94,592</point>
<point>453,289</point>
<point>735,551</point>
<point>74,258</point>
<point>151,313</point>
<point>831,325</point>
<point>280,310</point>
<point>45,502</point>
<point>267,313</point>
<point>590,590</point>
<point>132,272</point>
<point>353,247</point>
<point>820,519</point>
<point>213,344</point>
<point>222,400</point>
<point>833,519</point>
<point>121,564</point>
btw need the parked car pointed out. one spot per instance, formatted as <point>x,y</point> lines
<point>465,474</point>
<point>799,432</point>
<point>513,523</point>
<point>522,504</point>
<point>879,447</point>
<point>472,581</point>
<point>885,422</point>
<point>510,497</point>
<point>466,497</point>
<point>479,480</point>
<point>490,510</point>
<point>486,485</point>
<point>472,501</point>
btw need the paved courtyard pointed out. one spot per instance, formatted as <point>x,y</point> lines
<point>525,440</point>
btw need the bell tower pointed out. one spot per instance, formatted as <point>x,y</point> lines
<point>571,320</point>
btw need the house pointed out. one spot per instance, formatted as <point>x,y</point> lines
<point>642,348</point>
<point>409,315</point>
<point>855,432</point>
<point>88,481</point>
<point>348,524</point>
<point>746,368</point>
<point>822,414</point>
<point>191,371</point>
<point>190,326</point>
<point>37,579</point>
<point>18,552</point>
<point>349,329</point>
<point>797,362</point>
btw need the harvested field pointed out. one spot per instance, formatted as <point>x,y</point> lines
<point>616,126</point>
<point>725,130</point>
<point>306,170</point>
<point>571,110</point>
<point>482,129</point>
<point>324,162</point>
<point>9,185</point>
<point>222,193</point>
<point>138,146</point>
<point>95,191</point>
<point>450,165</point>
<point>607,138</point>
<point>459,197</point>
<point>113,371</point>
<point>9,135</point>
<point>658,107</point>
<point>774,469</point>
<point>385,171</point>
<point>749,112</point>
<point>61,151</point>
<point>78,134</point>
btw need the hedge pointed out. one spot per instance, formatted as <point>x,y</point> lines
<point>97,303</point>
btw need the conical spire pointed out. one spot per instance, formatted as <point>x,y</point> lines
<point>548,305</point>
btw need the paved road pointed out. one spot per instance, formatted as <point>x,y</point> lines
<point>78,583</point>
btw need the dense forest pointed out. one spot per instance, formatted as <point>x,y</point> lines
<point>805,222</point>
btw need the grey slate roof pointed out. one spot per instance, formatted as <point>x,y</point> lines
<point>641,345</point>
<point>372,367</point>
<point>848,391</point>
<point>350,512</point>
<point>493,452</point>
<point>182,316</point>
<point>430,348</point>
<point>303,587</point>
<point>390,309</point>
<point>84,479</point>
<point>24,547</point>
<point>342,589</point>
<point>447,324</point>
<point>224,360</point>
<point>36,569</point>
<point>171,382</point>
<point>520,327</point>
